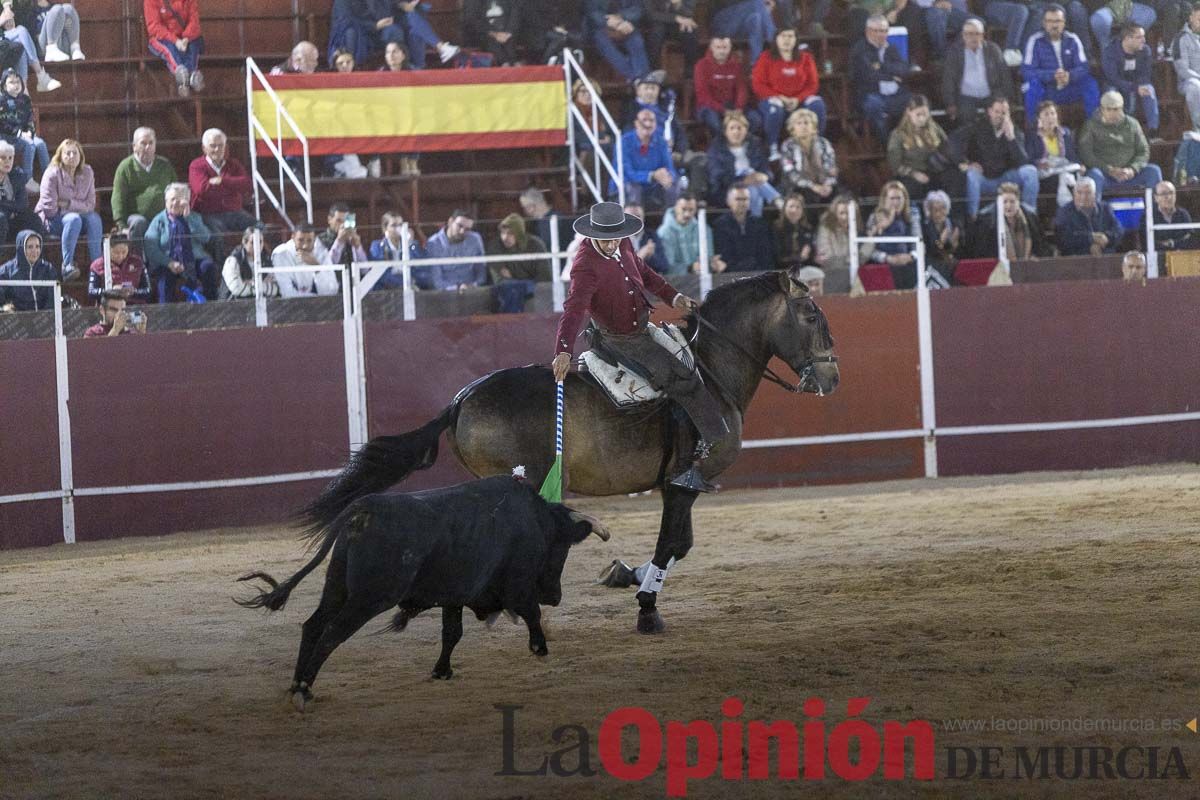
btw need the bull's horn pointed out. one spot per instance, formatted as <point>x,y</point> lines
<point>598,528</point>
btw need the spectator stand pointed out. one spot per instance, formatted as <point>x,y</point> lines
<point>1151,228</point>
<point>572,71</point>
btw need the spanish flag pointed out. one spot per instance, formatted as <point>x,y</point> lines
<point>416,111</point>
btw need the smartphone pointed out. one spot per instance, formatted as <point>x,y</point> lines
<point>351,221</point>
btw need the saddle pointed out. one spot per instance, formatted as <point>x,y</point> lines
<point>624,385</point>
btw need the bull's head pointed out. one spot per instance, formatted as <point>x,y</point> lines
<point>570,527</point>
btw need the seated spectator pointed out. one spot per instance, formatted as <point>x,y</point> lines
<point>27,265</point>
<point>944,240</point>
<point>514,280</point>
<point>138,185</point>
<point>335,223</point>
<point>19,21</point>
<point>918,152</point>
<point>785,79</point>
<point>129,276</point>
<point>455,239</point>
<point>58,31</point>
<point>361,27</point>
<point>1167,213</point>
<point>650,175</point>
<point>1133,266</point>
<point>67,204</point>
<point>744,20</point>
<point>1051,148</point>
<point>1023,238</point>
<point>833,238</point>
<point>1119,13</point>
<point>994,154</point>
<point>738,158</point>
<point>720,85</point>
<point>221,187</point>
<point>1185,54</point>
<point>894,216</point>
<point>540,216</point>
<point>342,61</point>
<point>237,274</point>
<point>1086,226</point>
<point>809,164</point>
<point>115,320</point>
<point>176,243</point>
<point>16,122</point>
<point>1012,17</point>
<point>350,165</point>
<point>395,59</point>
<point>743,242</point>
<point>303,250</point>
<point>15,215</point>
<point>645,242</point>
<point>674,20</point>
<point>679,235</point>
<point>1172,19</point>
<point>877,75</point>
<point>303,60</point>
<point>1056,67</point>
<point>583,144</point>
<point>174,28</point>
<point>390,247</point>
<point>649,94</point>
<point>813,278</point>
<point>792,236</point>
<point>1114,149</point>
<point>1127,63</point>
<point>974,71</point>
<point>611,27</point>
<point>492,25</point>
<point>553,26</point>
<point>419,34</point>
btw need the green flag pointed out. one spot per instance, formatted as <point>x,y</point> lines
<point>552,486</point>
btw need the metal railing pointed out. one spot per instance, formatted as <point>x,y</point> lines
<point>1152,228</point>
<point>286,173</point>
<point>590,128</point>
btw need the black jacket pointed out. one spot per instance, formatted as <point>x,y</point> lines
<point>748,250</point>
<point>721,171</point>
<point>982,241</point>
<point>867,71</point>
<point>999,75</point>
<point>475,23</point>
<point>996,154</point>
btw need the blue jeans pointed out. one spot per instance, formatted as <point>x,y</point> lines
<point>69,226</point>
<point>175,58</point>
<point>760,195</point>
<point>1149,107</point>
<point>939,23</point>
<point>1102,22</point>
<point>775,116</point>
<point>882,111</point>
<point>206,279</point>
<point>418,36</point>
<point>22,37</point>
<point>1146,178</point>
<point>1084,91</point>
<point>749,20</point>
<point>1012,18</point>
<point>627,58</point>
<point>1024,176</point>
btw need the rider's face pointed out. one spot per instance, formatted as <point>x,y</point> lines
<point>607,246</point>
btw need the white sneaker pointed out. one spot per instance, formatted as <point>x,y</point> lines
<point>47,84</point>
<point>775,156</point>
<point>350,167</point>
<point>68,272</point>
<point>33,187</point>
<point>53,53</point>
<point>447,51</point>
<point>196,80</point>
<point>375,167</point>
<point>76,53</point>
<point>182,77</point>
<point>1013,58</point>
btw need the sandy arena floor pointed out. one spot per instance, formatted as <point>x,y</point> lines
<point>127,672</point>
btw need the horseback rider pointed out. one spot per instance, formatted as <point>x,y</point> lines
<point>613,285</point>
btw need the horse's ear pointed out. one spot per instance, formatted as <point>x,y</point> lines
<point>790,284</point>
<point>785,281</point>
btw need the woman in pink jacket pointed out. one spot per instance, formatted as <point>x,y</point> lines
<point>68,202</point>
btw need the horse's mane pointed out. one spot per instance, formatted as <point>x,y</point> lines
<point>728,300</point>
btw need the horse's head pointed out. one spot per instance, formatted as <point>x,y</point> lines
<point>798,334</point>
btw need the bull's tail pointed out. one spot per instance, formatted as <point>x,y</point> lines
<point>277,597</point>
<point>378,464</point>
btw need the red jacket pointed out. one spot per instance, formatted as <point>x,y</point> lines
<point>719,86</point>
<point>796,78</point>
<point>612,291</point>
<point>229,195</point>
<point>161,23</point>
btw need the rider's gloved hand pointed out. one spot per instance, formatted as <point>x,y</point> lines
<point>683,301</point>
<point>561,366</point>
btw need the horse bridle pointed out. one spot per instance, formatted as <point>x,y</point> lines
<point>804,371</point>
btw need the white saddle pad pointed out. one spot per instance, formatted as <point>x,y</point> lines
<point>624,386</point>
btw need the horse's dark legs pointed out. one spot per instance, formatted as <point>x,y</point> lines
<point>674,541</point>
<point>451,633</point>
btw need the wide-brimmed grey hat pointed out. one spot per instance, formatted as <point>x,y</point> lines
<point>608,221</point>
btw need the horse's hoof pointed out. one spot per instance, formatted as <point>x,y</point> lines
<point>650,622</point>
<point>541,651</point>
<point>617,575</point>
<point>442,675</point>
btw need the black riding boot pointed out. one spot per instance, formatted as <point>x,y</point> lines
<point>691,479</point>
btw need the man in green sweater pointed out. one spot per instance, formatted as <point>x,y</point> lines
<point>1114,149</point>
<point>139,185</point>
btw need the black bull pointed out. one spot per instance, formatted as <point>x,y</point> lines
<point>489,545</point>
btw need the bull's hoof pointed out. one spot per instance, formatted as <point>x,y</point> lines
<point>539,650</point>
<point>617,575</point>
<point>301,697</point>
<point>650,621</point>
<point>440,674</point>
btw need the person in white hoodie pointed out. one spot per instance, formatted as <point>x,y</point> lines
<point>303,249</point>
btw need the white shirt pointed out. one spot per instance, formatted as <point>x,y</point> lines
<point>303,284</point>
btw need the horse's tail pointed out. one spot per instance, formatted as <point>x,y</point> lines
<point>378,464</point>
<point>277,597</point>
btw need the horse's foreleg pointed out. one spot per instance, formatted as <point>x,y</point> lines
<point>674,542</point>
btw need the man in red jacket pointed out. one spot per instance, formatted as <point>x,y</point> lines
<point>721,86</point>
<point>613,285</point>
<point>174,28</point>
<point>220,188</point>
